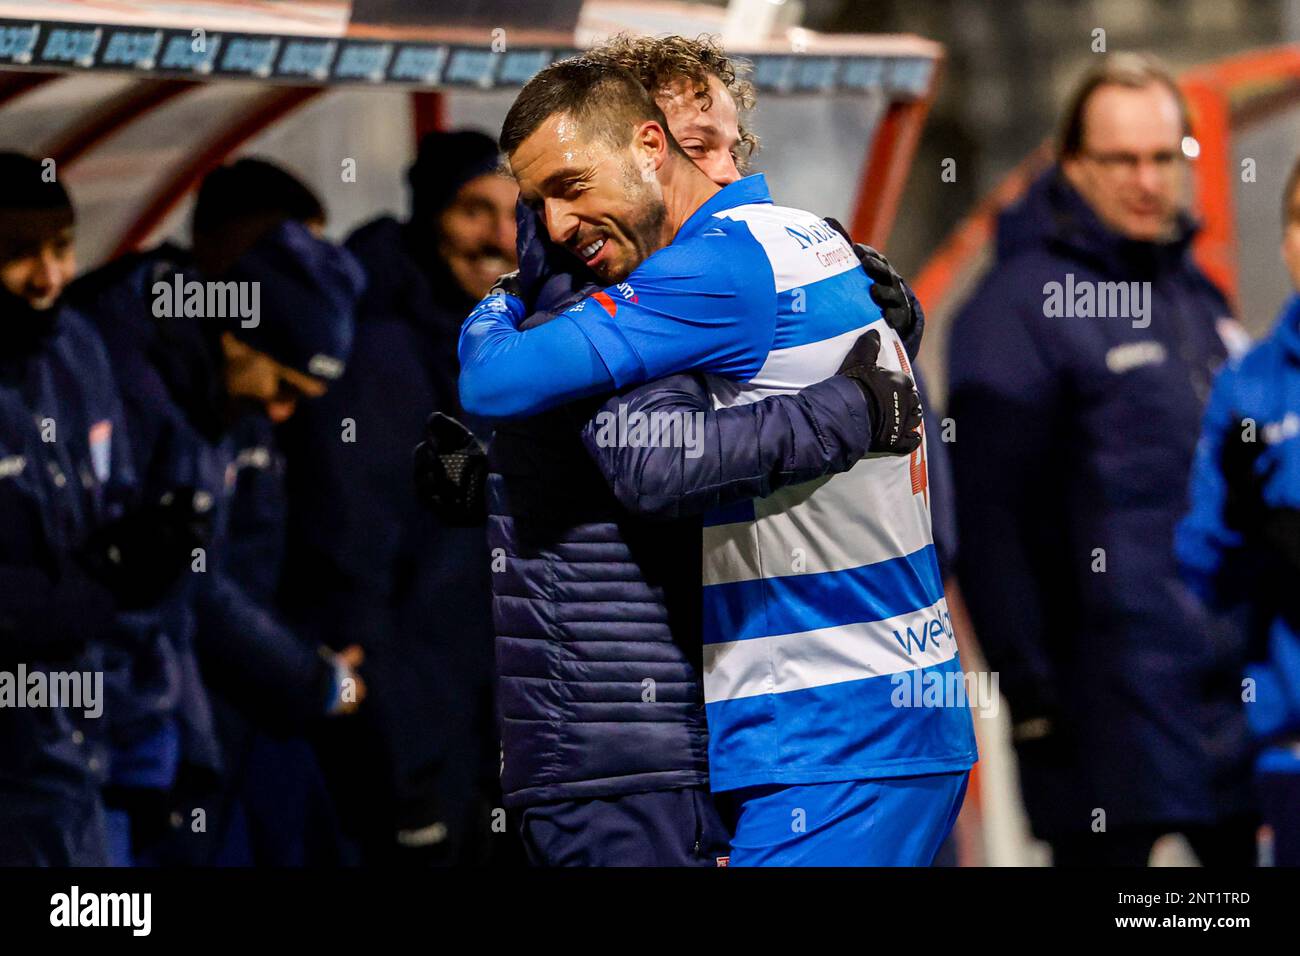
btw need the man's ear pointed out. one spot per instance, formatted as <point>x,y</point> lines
<point>652,142</point>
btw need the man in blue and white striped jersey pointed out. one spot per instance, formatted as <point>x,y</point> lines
<point>822,601</point>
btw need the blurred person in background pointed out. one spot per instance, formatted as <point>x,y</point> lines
<point>80,549</point>
<point>203,390</point>
<point>1075,429</point>
<point>1240,541</point>
<point>367,562</point>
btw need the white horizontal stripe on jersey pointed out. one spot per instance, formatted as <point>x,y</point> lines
<point>787,662</point>
<point>865,515</point>
<point>788,370</point>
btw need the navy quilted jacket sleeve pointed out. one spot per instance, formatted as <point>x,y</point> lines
<point>729,454</point>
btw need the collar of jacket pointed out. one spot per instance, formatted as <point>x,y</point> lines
<point>743,192</point>
<point>1053,213</point>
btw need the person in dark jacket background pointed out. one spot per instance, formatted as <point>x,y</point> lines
<point>367,563</point>
<point>203,390</point>
<point>79,548</point>
<point>1239,543</point>
<point>1077,407</point>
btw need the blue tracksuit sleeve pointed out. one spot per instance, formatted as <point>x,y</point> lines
<point>509,373</point>
<point>1209,553</point>
<point>713,458</point>
<point>705,303</point>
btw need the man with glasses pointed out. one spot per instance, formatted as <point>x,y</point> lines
<point>1079,373</point>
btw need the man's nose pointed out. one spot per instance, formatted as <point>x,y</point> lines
<point>47,271</point>
<point>561,224</point>
<point>721,169</point>
<point>1150,175</point>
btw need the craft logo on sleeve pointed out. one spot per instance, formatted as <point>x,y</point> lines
<point>130,910</point>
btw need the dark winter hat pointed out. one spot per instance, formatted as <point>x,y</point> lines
<point>237,204</point>
<point>307,292</point>
<point>34,207</point>
<point>444,163</point>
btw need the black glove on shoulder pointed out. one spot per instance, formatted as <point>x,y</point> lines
<point>1243,504</point>
<point>887,288</point>
<point>140,556</point>
<point>451,472</point>
<point>895,403</point>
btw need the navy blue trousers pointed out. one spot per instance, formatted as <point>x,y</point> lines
<point>664,828</point>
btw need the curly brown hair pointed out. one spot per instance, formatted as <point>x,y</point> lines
<point>661,61</point>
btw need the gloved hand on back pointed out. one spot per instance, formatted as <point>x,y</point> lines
<point>451,472</point>
<point>895,403</point>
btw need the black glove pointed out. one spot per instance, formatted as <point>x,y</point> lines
<point>508,284</point>
<point>887,289</point>
<point>140,557</point>
<point>895,404</point>
<point>1243,504</point>
<point>1272,534</point>
<point>451,472</point>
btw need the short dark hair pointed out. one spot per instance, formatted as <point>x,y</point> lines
<point>601,96</point>
<point>252,188</point>
<point>1134,71</point>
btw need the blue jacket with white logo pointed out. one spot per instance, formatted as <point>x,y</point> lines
<point>1074,439</point>
<point>1263,386</point>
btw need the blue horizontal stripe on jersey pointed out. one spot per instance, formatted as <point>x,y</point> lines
<point>850,730</point>
<point>741,610</point>
<point>824,309</point>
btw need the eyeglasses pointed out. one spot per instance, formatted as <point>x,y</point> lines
<point>1121,163</point>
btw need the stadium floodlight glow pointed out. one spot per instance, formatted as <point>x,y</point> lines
<point>1191,148</point>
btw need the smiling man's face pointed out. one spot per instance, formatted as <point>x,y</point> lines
<point>708,134</point>
<point>600,202</point>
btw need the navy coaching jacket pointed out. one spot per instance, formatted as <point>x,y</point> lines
<point>1074,439</point>
<point>63,471</point>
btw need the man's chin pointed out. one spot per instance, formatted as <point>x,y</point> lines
<point>610,273</point>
